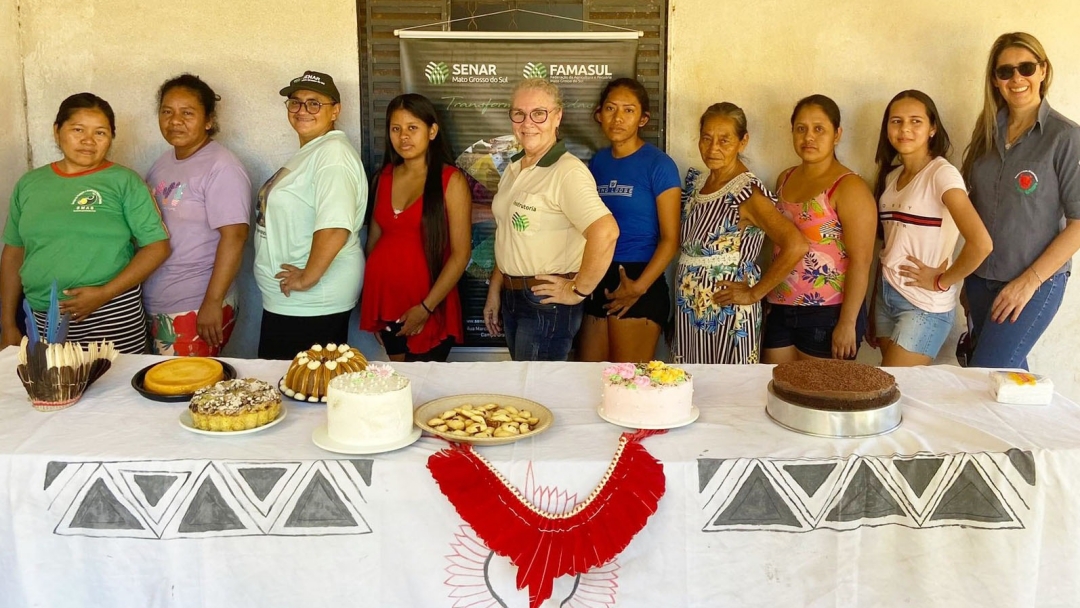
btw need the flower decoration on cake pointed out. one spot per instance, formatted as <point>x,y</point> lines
<point>375,378</point>
<point>55,372</point>
<point>645,375</point>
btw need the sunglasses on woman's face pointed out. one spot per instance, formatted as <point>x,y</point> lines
<point>1027,68</point>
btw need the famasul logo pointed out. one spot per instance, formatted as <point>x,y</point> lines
<point>86,200</point>
<point>534,70</point>
<point>437,73</point>
<point>519,222</point>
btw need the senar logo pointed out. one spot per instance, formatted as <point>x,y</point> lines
<point>535,70</point>
<point>86,200</point>
<point>437,73</point>
<point>519,222</point>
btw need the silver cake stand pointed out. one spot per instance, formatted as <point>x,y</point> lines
<point>832,423</point>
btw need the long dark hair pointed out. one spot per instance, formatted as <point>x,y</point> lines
<point>886,153</point>
<point>433,225</point>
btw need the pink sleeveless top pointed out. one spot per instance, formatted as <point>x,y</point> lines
<point>818,279</point>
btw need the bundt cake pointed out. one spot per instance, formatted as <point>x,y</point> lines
<point>311,371</point>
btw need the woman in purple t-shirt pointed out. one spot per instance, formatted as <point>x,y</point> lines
<point>205,198</point>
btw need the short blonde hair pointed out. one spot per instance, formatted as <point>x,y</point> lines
<point>539,84</point>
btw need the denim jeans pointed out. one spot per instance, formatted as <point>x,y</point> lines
<point>535,331</point>
<point>1007,344</point>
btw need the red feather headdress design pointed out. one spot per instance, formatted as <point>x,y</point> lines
<point>545,546</point>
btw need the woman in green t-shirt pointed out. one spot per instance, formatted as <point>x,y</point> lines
<point>88,225</point>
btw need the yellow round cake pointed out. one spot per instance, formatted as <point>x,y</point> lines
<point>235,405</point>
<point>183,375</point>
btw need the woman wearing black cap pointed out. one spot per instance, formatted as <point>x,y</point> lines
<point>308,262</point>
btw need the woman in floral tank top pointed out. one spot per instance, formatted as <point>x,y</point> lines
<point>817,311</point>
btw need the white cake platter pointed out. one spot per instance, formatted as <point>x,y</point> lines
<point>433,408</point>
<point>694,413</point>
<point>321,438</point>
<point>189,425</point>
<point>839,424</point>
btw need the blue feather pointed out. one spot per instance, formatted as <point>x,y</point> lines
<point>52,321</point>
<point>32,335</point>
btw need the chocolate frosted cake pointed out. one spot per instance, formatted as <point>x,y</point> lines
<point>835,385</point>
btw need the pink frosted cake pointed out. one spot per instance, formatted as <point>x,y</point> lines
<point>646,395</point>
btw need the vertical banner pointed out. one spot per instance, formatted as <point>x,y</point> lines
<point>470,82</point>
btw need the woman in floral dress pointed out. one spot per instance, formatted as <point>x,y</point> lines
<point>727,213</point>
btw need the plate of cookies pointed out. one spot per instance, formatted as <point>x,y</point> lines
<point>176,380</point>
<point>483,418</point>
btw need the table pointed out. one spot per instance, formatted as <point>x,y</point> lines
<point>969,502</point>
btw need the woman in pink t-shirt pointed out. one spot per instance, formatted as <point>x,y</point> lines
<point>923,207</point>
<point>205,199</point>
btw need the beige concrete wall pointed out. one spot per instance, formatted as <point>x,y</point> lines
<point>123,50</point>
<point>13,143</point>
<point>765,55</point>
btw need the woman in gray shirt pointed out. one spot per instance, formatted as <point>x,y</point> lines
<point>1023,169</point>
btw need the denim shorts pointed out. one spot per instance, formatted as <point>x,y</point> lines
<point>808,328</point>
<point>909,326</point>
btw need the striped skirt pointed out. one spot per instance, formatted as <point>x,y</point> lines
<point>121,320</point>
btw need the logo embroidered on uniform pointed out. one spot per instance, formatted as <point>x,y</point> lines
<point>519,222</point>
<point>1027,181</point>
<point>86,201</point>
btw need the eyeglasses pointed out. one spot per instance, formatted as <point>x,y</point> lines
<point>1026,68</point>
<point>537,115</point>
<point>313,105</point>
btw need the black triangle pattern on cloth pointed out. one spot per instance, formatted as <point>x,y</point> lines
<point>208,512</point>
<point>706,468</point>
<point>757,503</point>
<point>1024,463</point>
<point>319,506</point>
<point>810,476</point>
<point>101,510</point>
<point>51,471</point>
<point>154,486</point>
<point>363,467</point>
<point>262,480</point>
<point>970,497</point>
<point>865,497</point>
<point>918,472</point>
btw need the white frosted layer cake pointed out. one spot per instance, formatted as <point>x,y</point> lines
<point>1021,388</point>
<point>369,408</point>
<point>649,394</point>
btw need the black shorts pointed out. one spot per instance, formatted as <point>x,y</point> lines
<point>807,328</point>
<point>398,345</point>
<point>654,304</point>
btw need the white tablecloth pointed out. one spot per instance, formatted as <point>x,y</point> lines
<point>112,503</point>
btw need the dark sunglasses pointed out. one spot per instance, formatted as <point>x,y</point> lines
<point>1027,68</point>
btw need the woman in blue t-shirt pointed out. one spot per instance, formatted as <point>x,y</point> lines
<point>640,185</point>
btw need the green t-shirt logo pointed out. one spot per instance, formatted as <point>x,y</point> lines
<point>86,200</point>
<point>519,222</point>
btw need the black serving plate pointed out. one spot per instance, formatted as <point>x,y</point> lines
<point>140,376</point>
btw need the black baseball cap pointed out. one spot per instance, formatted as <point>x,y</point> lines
<point>313,81</point>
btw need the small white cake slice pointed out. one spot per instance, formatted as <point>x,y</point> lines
<point>369,408</point>
<point>1021,388</point>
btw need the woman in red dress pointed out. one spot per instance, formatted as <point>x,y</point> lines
<point>419,240</point>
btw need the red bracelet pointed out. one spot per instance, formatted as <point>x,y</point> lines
<point>937,282</point>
